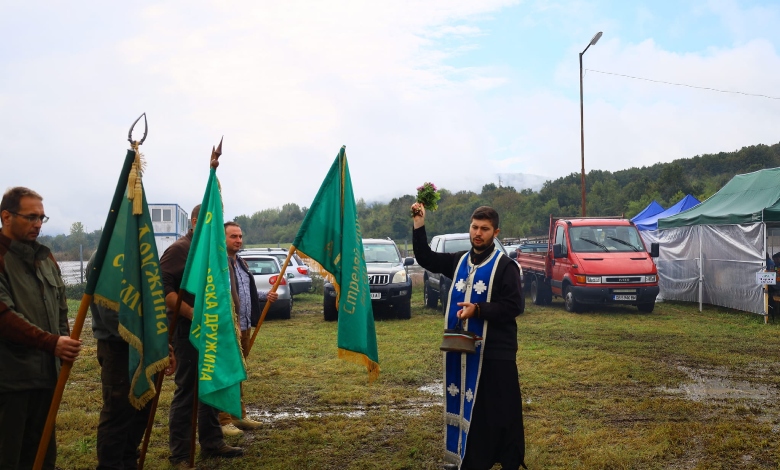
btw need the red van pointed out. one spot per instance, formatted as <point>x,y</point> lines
<point>592,261</point>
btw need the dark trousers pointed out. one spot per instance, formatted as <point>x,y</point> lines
<point>496,432</point>
<point>22,419</point>
<point>121,426</point>
<point>180,416</point>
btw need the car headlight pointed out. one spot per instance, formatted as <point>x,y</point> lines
<point>583,279</point>
<point>652,278</point>
<point>399,277</point>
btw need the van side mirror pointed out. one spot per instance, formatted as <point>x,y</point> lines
<point>557,251</point>
<point>654,250</point>
<point>408,261</point>
<point>513,254</point>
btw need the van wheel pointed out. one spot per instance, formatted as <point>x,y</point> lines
<point>429,297</point>
<point>646,307</point>
<point>571,303</point>
<point>536,296</point>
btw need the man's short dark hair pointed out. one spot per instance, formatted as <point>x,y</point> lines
<point>776,255</point>
<point>195,212</point>
<point>486,213</point>
<point>231,223</point>
<point>12,199</point>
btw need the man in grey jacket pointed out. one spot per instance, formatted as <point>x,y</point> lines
<point>33,330</point>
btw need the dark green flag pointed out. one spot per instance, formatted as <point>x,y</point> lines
<point>330,235</point>
<point>130,283</point>
<point>214,331</point>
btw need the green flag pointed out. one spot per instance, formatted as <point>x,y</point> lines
<point>330,235</point>
<point>214,331</point>
<point>130,284</point>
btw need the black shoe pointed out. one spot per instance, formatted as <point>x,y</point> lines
<point>225,451</point>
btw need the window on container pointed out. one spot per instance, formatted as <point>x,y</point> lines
<point>156,217</point>
<point>166,214</point>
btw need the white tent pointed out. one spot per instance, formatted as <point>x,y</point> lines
<point>712,253</point>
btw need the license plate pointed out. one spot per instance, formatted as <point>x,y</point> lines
<point>376,295</point>
<point>624,297</point>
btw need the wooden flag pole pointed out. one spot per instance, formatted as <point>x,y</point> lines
<point>65,368</point>
<point>158,388</point>
<point>86,300</point>
<point>268,304</point>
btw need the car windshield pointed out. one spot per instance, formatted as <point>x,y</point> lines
<point>458,244</point>
<point>605,239</point>
<point>381,253</point>
<point>262,266</point>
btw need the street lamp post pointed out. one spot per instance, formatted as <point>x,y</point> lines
<point>582,122</point>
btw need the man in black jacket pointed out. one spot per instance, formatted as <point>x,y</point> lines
<point>210,436</point>
<point>485,297</point>
<point>247,309</point>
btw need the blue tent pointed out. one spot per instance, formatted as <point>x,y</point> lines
<point>651,222</point>
<point>652,209</point>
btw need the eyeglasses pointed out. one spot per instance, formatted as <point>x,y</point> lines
<point>32,218</point>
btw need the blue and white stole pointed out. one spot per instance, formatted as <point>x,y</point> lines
<point>461,370</point>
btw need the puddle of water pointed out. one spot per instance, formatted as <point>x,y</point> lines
<point>718,384</point>
<point>412,407</point>
<point>436,389</point>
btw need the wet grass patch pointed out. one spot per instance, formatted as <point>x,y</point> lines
<point>608,389</point>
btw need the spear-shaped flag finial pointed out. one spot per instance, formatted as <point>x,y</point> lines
<point>215,153</point>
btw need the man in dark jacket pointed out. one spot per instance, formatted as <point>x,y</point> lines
<point>33,330</point>
<point>212,444</point>
<point>121,426</point>
<point>247,309</point>
<point>483,406</point>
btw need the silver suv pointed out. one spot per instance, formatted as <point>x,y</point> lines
<point>297,273</point>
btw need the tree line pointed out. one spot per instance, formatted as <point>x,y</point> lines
<point>524,212</point>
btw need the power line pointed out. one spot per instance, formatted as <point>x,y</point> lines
<point>685,85</point>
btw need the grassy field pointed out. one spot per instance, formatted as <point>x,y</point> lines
<point>610,389</point>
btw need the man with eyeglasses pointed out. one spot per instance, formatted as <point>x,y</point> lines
<point>33,330</point>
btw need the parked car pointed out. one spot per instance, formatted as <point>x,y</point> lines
<point>388,280</point>
<point>265,269</point>
<point>297,273</point>
<point>437,286</point>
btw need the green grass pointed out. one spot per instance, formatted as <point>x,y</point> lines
<point>600,390</point>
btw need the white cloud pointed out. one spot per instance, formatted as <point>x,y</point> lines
<point>288,83</point>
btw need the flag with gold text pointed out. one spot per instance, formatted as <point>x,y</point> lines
<point>330,234</point>
<point>130,284</point>
<point>214,332</point>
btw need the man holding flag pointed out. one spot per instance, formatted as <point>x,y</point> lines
<point>129,320</point>
<point>246,301</point>
<point>172,265</point>
<point>33,330</point>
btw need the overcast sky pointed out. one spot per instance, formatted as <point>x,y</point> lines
<point>455,92</point>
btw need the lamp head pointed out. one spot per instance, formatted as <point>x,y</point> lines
<point>595,39</point>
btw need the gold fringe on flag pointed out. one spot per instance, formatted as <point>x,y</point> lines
<point>134,188</point>
<point>152,369</point>
<point>361,359</point>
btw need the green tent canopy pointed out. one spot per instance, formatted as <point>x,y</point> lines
<point>748,198</point>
